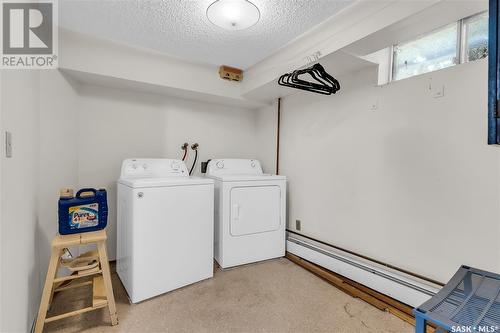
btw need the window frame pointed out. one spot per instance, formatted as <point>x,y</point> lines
<point>461,51</point>
<point>493,74</point>
<point>465,36</point>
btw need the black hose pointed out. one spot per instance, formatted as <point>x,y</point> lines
<point>185,148</point>
<point>194,162</point>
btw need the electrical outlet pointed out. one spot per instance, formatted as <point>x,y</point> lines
<point>297,225</point>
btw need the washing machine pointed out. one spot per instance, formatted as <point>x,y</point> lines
<point>164,227</point>
<point>250,212</point>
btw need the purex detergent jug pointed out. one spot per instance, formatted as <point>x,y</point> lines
<point>87,211</point>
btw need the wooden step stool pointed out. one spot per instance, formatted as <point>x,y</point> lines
<point>102,288</point>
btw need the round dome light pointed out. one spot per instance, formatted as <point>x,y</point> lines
<point>233,14</point>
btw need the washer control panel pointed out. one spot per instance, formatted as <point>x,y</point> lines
<point>153,168</point>
<point>231,166</point>
<point>220,164</point>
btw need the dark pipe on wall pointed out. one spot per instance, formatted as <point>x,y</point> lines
<point>278,138</point>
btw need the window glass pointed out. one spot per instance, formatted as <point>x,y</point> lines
<point>431,52</point>
<point>476,37</point>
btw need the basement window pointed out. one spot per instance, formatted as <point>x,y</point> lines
<point>431,52</point>
<point>459,42</point>
<point>476,37</point>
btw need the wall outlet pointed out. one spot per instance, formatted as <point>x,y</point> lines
<point>297,225</point>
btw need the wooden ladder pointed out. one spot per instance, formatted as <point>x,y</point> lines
<point>102,291</point>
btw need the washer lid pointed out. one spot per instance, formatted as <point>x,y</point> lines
<point>165,182</point>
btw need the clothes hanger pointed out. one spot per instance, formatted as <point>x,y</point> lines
<point>319,74</point>
<point>326,76</point>
<point>323,82</point>
<point>291,80</point>
<point>285,80</point>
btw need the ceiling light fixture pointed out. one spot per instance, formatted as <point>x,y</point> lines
<point>233,14</point>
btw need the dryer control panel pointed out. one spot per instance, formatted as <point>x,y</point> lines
<point>232,166</point>
<point>153,168</point>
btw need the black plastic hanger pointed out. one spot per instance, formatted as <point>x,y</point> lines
<point>319,74</point>
<point>320,83</point>
<point>286,80</point>
<point>323,82</point>
<point>326,76</point>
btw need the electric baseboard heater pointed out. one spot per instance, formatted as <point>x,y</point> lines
<point>396,284</point>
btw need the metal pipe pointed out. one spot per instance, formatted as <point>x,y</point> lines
<point>278,125</point>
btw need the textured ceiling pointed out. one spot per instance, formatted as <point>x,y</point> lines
<point>181,29</point>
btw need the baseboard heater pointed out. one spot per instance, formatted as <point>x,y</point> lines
<point>398,285</point>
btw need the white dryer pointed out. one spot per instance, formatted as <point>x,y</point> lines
<point>165,227</point>
<point>250,212</point>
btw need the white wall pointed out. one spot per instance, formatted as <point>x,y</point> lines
<point>58,155</point>
<point>88,54</point>
<point>1,196</point>
<point>267,118</point>
<point>72,135</point>
<point>39,108</point>
<point>117,124</point>
<point>68,135</point>
<point>19,265</point>
<point>413,183</point>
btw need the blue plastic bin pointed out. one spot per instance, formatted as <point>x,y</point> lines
<point>469,302</point>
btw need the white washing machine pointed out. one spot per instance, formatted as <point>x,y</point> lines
<point>250,212</point>
<point>165,227</point>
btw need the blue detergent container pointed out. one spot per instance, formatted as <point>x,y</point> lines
<point>87,211</point>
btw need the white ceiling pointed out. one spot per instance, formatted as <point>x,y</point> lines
<point>181,29</point>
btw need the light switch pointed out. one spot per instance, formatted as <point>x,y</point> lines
<point>8,144</point>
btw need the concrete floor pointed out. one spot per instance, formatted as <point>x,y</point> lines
<point>272,296</point>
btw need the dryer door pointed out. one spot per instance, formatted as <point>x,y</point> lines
<point>255,209</point>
